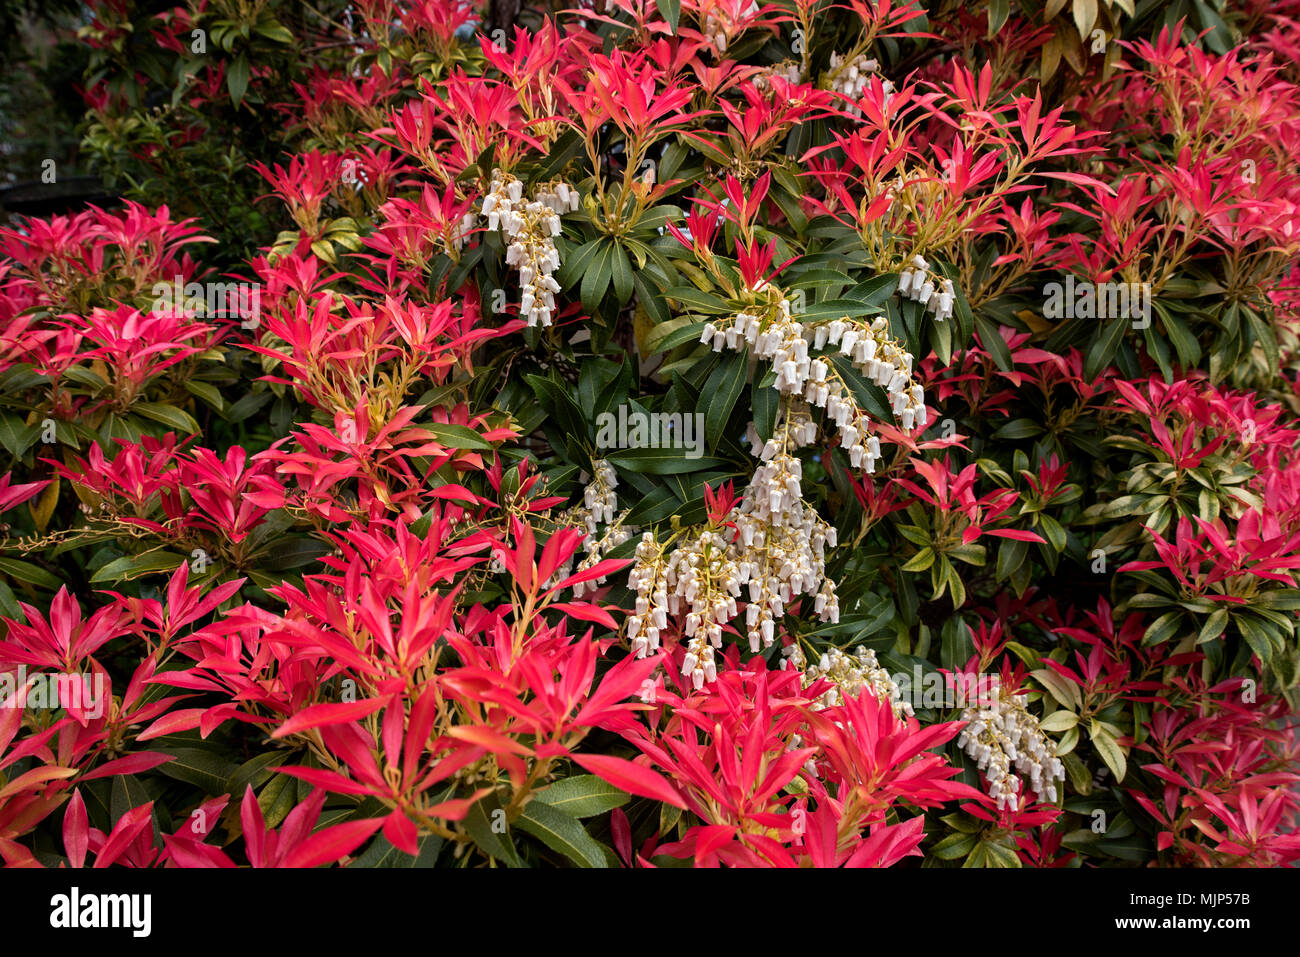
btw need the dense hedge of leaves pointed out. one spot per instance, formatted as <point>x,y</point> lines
<point>357,572</point>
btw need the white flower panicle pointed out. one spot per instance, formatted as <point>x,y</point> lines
<point>1000,734</point>
<point>771,548</point>
<point>780,548</point>
<point>530,229</point>
<point>776,553</point>
<point>557,197</point>
<point>851,674</point>
<point>703,582</point>
<point>867,346</point>
<point>648,578</point>
<point>599,504</point>
<point>915,283</point>
<point>599,498</point>
<point>852,78</point>
<point>596,549</point>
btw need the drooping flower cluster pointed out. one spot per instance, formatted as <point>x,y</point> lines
<point>599,498</point>
<point>649,579</point>
<point>850,674</point>
<point>530,230</point>
<point>868,347</point>
<point>776,553</point>
<point>705,579</point>
<point>780,546</point>
<point>852,78</point>
<point>596,549</point>
<point>1002,733</point>
<point>915,283</point>
<point>599,504</point>
<point>777,550</point>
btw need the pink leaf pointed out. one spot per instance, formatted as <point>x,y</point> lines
<point>129,764</point>
<point>319,715</point>
<point>587,612</point>
<point>76,836</point>
<point>327,846</point>
<point>632,778</point>
<point>185,719</point>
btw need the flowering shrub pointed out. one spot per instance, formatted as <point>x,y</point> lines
<point>660,434</point>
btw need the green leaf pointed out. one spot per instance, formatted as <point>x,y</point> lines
<point>9,603</point>
<point>1059,721</point>
<point>1011,556</point>
<point>242,408</point>
<point>1000,855</point>
<point>993,343</point>
<point>577,262</point>
<point>1065,692</point>
<point>978,857</point>
<point>559,405</point>
<point>1256,635</point>
<point>920,561</point>
<point>596,279</point>
<point>941,342</point>
<point>1163,628</point>
<point>168,415</point>
<point>662,461</point>
<point>658,506</point>
<point>207,392</point>
<point>956,587</point>
<point>1019,429</point>
<point>876,290</point>
<point>254,772</point>
<point>561,833</point>
<point>1104,347</point>
<point>1106,746</point>
<point>671,334</point>
<point>478,825</point>
<point>999,10</point>
<point>274,31</point>
<point>671,11</point>
<point>380,853</point>
<point>237,79</point>
<point>1052,531</point>
<point>691,297</point>
<point>954,846</point>
<point>16,437</point>
<point>459,437</point>
<point>1068,742</point>
<point>131,567</point>
<point>204,769</point>
<point>83,375</point>
<point>29,574</point>
<point>583,795</point>
<point>1214,626</point>
<point>1148,600</point>
<point>820,277</point>
<point>721,391</point>
<point>296,552</point>
<point>127,792</point>
<point>1085,15</point>
<point>622,273</point>
<point>1185,344</point>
